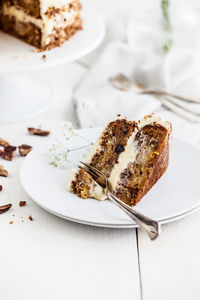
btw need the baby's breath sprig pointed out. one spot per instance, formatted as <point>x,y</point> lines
<point>58,153</point>
<point>166,25</point>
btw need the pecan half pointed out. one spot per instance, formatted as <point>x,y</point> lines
<point>3,172</point>
<point>8,152</point>
<point>37,131</point>
<point>4,208</point>
<point>3,143</point>
<point>22,203</point>
<point>24,149</point>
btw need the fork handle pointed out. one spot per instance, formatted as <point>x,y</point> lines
<point>165,93</point>
<point>150,226</point>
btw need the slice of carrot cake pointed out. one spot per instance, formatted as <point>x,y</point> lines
<point>133,155</point>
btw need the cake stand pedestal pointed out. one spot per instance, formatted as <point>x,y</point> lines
<point>21,95</point>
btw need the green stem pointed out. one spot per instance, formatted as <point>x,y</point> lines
<point>71,150</point>
<point>166,24</point>
<point>84,138</point>
<point>165,11</point>
<point>79,148</point>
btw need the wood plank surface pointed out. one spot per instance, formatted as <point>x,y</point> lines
<point>50,258</point>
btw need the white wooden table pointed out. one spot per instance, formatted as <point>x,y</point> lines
<point>50,258</point>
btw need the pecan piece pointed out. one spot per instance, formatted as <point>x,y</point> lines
<point>22,203</point>
<point>37,131</point>
<point>30,218</point>
<point>3,172</point>
<point>8,152</point>
<point>3,143</point>
<point>24,149</point>
<point>4,208</point>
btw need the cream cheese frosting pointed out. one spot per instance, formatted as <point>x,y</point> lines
<point>45,4</point>
<point>149,119</point>
<point>129,154</point>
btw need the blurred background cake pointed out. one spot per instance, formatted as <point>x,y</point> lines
<point>42,23</point>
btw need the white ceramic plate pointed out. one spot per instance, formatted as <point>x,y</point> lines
<point>175,195</point>
<point>16,55</point>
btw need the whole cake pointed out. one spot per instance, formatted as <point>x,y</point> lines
<point>44,24</point>
<point>133,155</point>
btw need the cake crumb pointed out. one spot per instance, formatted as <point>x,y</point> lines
<point>30,218</point>
<point>44,57</point>
<point>11,222</point>
<point>22,203</point>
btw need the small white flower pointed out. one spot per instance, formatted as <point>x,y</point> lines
<point>58,153</point>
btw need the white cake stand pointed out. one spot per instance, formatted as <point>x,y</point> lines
<point>21,95</point>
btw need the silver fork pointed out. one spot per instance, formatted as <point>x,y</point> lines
<point>150,226</point>
<point>123,83</point>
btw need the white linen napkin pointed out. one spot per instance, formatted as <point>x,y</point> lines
<point>135,53</point>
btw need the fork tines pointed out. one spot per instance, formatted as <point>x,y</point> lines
<point>91,167</point>
<point>98,176</point>
<point>90,172</point>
